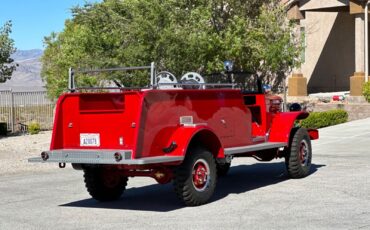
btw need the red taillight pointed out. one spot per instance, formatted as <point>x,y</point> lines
<point>314,134</point>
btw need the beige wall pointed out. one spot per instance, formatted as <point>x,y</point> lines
<point>329,55</point>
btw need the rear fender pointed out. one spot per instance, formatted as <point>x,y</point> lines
<point>184,138</point>
<point>282,124</point>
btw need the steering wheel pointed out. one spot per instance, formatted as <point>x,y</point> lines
<point>193,76</point>
<point>165,77</point>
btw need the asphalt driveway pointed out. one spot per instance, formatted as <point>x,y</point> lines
<point>252,196</point>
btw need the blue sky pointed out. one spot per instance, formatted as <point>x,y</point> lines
<point>34,19</point>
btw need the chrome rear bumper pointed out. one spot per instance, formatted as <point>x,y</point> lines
<point>100,157</point>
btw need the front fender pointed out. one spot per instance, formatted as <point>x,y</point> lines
<point>282,124</point>
<point>184,135</point>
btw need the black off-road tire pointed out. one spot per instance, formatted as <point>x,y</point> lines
<point>223,169</point>
<point>299,156</point>
<point>103,184</point>
<point>190,192</point>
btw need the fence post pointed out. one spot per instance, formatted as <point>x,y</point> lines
<point>12,115</point>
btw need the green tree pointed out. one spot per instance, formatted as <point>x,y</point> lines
<point>6,49</point>
<point>178,35</point>
<point>275,44</point>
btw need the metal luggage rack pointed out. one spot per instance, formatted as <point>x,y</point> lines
<point>72,79</point>
<point>157,80</point>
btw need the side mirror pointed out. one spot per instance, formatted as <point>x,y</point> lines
<point>295,107</point>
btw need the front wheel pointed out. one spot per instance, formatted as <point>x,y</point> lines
<point>299,155</point>
<point>195,179</point>
<point>104,184</point>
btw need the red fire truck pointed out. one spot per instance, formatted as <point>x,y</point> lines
<point>185,131</point>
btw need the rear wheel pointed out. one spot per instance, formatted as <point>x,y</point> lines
<point>104,184</point>
<point>299,155</point>
<point>195,179</point>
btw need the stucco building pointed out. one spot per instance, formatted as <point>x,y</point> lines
<point>333,32</point>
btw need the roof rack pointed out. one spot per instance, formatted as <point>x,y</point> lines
<point>153,80</point>
<point>72,83</point>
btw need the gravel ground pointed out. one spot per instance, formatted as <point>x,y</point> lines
<point>15,150</point>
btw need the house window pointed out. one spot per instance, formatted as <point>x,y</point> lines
<point>303,44</point>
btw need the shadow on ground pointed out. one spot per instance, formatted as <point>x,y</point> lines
<point>162,198</point>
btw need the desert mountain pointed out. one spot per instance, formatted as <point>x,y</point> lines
<point>27,76</point>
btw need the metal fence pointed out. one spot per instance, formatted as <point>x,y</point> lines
<point>17,108</point>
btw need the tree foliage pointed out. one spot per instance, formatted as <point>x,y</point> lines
<point>6,49</point>
<point>178,35</point>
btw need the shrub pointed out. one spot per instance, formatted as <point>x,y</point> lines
<point>318,120</point>
<point>34,128</point>
<point>366,91</point>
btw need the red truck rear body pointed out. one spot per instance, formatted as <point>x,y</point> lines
<point>110,115</point>
<point>146,120</point>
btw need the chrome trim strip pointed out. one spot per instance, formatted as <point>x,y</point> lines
<point>259,139</point>
<point>195,125</point>
<point>101,157</point>
<point>252,148</point>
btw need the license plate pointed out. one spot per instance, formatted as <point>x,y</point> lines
<point>90,139</point>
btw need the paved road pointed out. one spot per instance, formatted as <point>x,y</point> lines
<point>253,196</point>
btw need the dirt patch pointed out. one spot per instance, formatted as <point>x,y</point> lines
<point>15,151</point>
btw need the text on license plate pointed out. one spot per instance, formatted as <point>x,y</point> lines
<point>90,139</point>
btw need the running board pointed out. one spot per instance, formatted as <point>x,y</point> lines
<point>253,148</point>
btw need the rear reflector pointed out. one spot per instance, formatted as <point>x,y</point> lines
<point>314,134</point>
